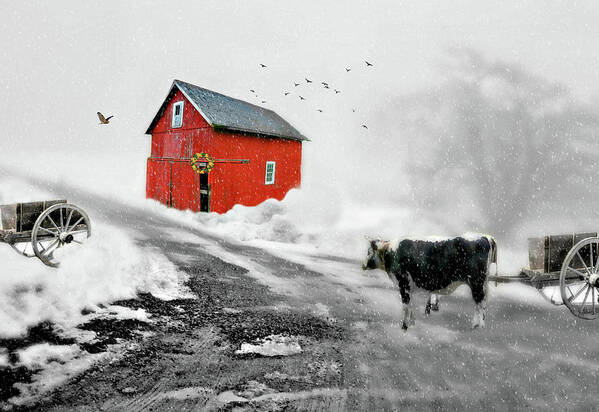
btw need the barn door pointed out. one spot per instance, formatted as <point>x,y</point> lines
<point>176,184</point>
<point>204,193</point>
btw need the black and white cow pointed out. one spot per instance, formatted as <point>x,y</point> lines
<point>436,266</point>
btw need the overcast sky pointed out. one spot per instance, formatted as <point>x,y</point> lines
<point>63,61</point>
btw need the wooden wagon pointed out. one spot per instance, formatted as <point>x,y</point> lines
<point>40,228</point>
<point>565,270</point>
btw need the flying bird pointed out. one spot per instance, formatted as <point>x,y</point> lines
<point>104,120</point>
<point>320,110</point>
<point>347,69</point>
<point>308,81</point>
<point>324,83</point>
<point>326,86</point>
<point>364,126</point>
<point>262,65</point>
<point>301,98</point>
<point>253,91</point>
<point>353,110</point>
<point>286,93</point>
<point>368,64</point>
<point>337,91</point>
<point>263,101</point>
<point>296,84</point>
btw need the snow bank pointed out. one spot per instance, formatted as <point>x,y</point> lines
<point>37,356</point>
<point>108,267</point>
<point>291,226</point>
<point>332,226</point>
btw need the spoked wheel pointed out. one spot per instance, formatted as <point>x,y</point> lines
<point>23,248</point>
<point>579,279</point>
<point>59,225</point>
<point>552,294</point>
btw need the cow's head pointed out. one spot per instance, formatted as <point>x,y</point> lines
<point>375,256</point>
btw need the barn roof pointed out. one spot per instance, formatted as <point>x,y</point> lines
<point>224,112</point>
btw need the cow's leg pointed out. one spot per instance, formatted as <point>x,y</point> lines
<point>427,309</point>
<point>435,303</point>
<point>408,315</point>
<point>432,303</point>
<point>479,293</point>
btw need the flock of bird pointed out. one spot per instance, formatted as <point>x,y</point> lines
<point>308,81</point>
<point>106,120</point>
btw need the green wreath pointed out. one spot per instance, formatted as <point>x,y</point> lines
<point>202,158</point>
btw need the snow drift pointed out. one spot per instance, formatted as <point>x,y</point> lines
<point>109,266</point>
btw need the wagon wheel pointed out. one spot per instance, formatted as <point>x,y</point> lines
<point>579,279</point>
<point>59,225</point>
<point>23,248</point>
<point>552,294</point>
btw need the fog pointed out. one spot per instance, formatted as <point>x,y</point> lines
<point>480,114</point>
<point>497,148</point>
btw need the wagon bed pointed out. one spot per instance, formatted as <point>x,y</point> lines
<point>40,228</point>
<point>565,270</point>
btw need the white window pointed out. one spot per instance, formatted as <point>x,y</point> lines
<point>270,173</point>
<point>177,114</point>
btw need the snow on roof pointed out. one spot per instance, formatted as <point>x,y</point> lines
<point>224,112</point>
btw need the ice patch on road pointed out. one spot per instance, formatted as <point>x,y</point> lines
<point>272,345</point>
<point>193,392</point>
<point>322,394</point>
<point>229,397</point>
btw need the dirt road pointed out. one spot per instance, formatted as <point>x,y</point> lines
<point>354,354</point>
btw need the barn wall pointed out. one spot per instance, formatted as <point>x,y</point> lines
<point>169,142</point>
<point>234,183</point>
<point>231,183</point>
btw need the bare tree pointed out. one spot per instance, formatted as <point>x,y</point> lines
<point>510,143</point>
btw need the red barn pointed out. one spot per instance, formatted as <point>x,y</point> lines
<point>257,154</point>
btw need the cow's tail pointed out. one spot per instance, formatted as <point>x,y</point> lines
<point>492,258</point>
